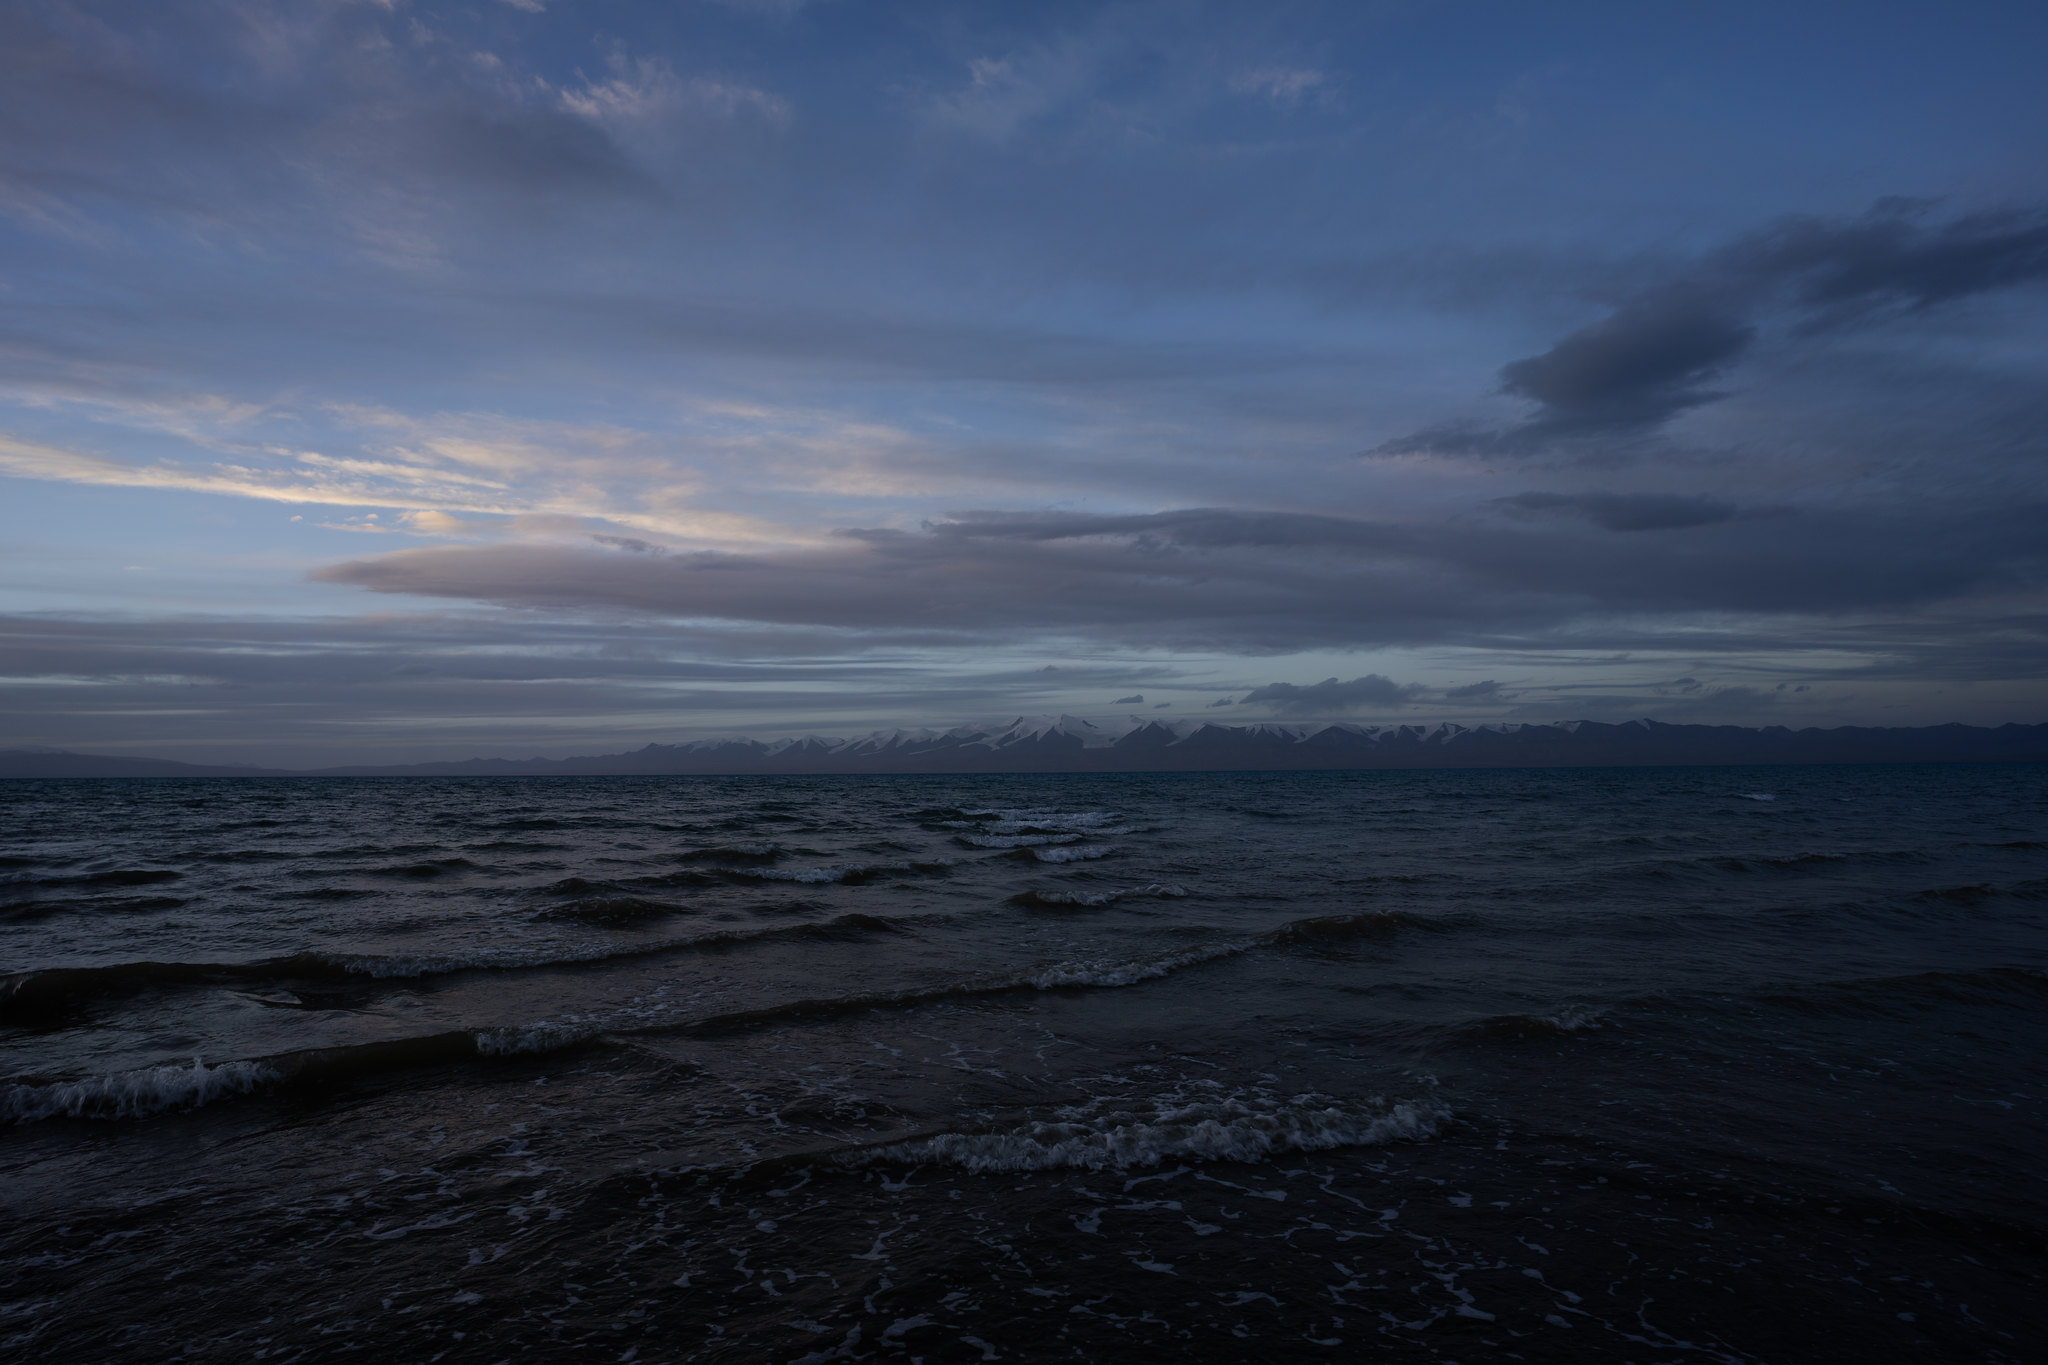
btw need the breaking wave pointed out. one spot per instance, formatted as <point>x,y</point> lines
<point>1072,853</point>
<point>132,1094</point>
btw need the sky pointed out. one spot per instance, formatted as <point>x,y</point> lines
<point>389,380</point>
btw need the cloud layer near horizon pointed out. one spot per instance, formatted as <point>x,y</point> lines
<point>1265,582</point>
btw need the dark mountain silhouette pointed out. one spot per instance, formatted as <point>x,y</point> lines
<point>1067,744</point>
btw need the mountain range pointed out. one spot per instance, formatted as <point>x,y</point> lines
<point>1070,744</point>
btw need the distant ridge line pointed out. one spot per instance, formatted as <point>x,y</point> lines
<point>1066,744</point>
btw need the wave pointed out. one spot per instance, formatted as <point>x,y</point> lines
<point>1030,822</point>
<point>1016,840</point>
<point>611,910</point>
<point>1072,853</point>
<point>29,994</point>
<point>848,875</point>
<point>1983,891</point>
<point>1782,860</point>
<point>12,887</point>
<point>1368,923</point>
<point>1124,973</point>
<point>1061,975</point>
<point>731,852</point>
<point>23,911</point>
<point>2025,986</point>
<point>433,867</point>
<point>1563,1024</point>
<point>26,995</point>
<point>1912,993</point>
<point>1228,1129</point>
<point>154,1090</point>
<point>1093,900</point>
<point>1051,977</point>
<point>132,1094</point>
<point>326,893</point>
<point>1804,863</point>
<point>546,1036</point>
<point>659,881</point>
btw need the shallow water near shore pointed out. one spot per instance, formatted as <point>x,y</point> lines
<point>1658,1064</point>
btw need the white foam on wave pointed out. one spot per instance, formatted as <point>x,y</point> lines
<point>1072,853</point>
<point>1247,1128</point>
<point>1755,796</point>
<point>1018,840</point>
<point>133,1094</point>
<point>1576,1018</point>
<point>541,1037</point>
<point>1096,899</point>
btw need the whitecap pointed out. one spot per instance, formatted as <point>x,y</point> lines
<point>133,1094</point>
<point>1072,853</point>
<point>1000,822</point>
<point>540,1037</point>
<point>1575,1018</point>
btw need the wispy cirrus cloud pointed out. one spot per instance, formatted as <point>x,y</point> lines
<point>1286,86</point>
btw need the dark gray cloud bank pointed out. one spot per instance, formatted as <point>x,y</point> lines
<point>1669,347</point>
<point>1278,582</point>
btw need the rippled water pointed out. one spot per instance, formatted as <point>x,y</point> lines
<point>1686,1064</point>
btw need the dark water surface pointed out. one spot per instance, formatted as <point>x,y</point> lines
<point>1650,1065</point>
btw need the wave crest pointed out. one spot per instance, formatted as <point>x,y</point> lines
<point>1072,853</point>
<point>133,1094</point>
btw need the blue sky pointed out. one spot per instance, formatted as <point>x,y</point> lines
<point>422,380</point>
